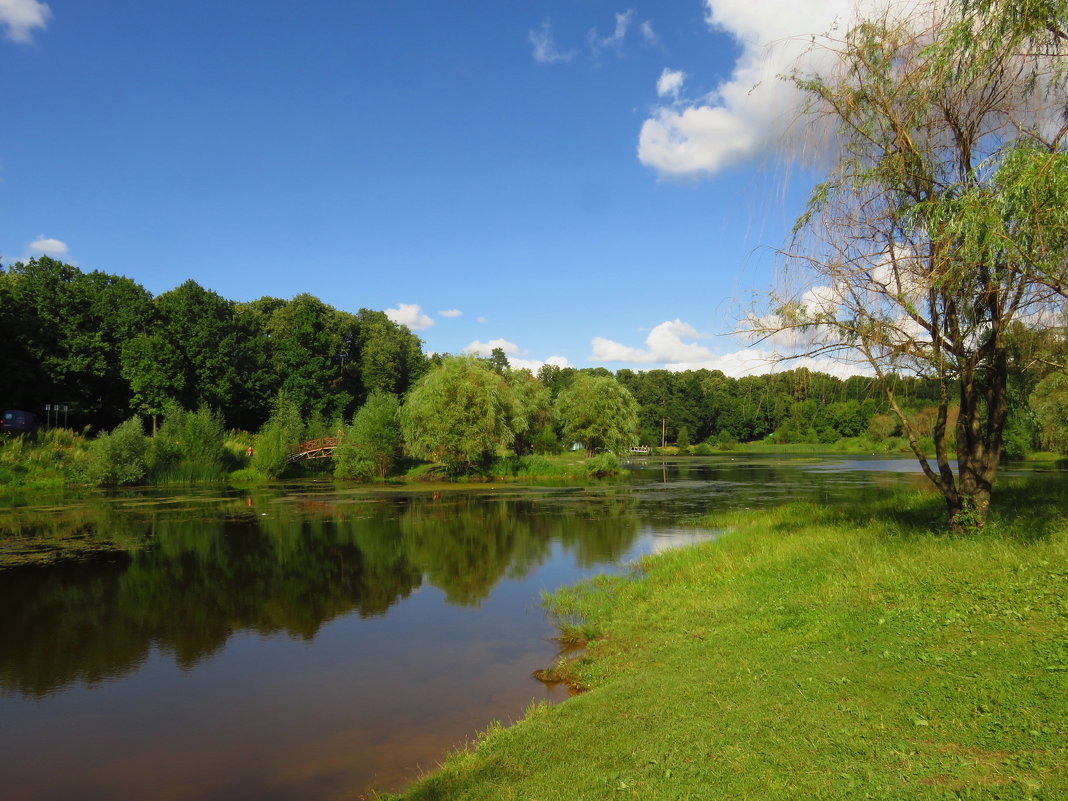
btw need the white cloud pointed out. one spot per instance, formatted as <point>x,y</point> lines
<point>450,313</point>
<point>486,348</point>
<point>821,301</point>
<point>480,319</point>
<point>534,365</point>
<point>664,345</point>
<point>670,82</point>
<point>648,33</point>
<point>515,356</point>
<point>411,315</point>
<point>749,112</point>
<point>615,39</point>
<point>20,17</point>
<point>46,246</point>
<point>753,361</point>
<point>545,50</point>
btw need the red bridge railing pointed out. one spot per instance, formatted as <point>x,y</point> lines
<point>322,448</point>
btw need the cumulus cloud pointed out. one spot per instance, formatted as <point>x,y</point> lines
<point>665,345</point>
<point>516,358</point>
<point>480,319</point>
<point>450,313</point>
<point>47,246</point>
<point>747,113</point>
<point>670,82</point>
<point>754,361</point>
<point>545,49</point>
<point>534,365</point>
<point>19,18</point>
<point>411,315</point>
<point>486,348</point>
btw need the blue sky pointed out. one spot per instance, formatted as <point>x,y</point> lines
<point>587,182</point>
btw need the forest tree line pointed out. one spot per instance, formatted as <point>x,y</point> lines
<point>106,347</point>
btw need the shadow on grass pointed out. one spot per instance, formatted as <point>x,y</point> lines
<point>1022,510</point>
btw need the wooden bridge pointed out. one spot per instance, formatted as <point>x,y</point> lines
<point>322,448</point>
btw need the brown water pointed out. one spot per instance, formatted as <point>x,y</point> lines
<point>314,641</point>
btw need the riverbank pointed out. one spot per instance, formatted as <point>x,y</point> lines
<point>62,459</point>
<point>812,652</point>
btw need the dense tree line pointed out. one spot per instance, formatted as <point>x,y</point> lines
<point>106,347</point>
<point>792,406</point>
<point>294,368</point>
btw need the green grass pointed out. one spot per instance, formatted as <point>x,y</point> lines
<point>811,653</point>
<point>856,445</point>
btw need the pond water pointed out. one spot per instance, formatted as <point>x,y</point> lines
<point>314,640</point>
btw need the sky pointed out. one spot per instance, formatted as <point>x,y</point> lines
<point>582,183</point>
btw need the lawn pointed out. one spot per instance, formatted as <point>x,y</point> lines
<point>810,652</point>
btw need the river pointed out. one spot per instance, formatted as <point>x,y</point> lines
<point>315,640</point>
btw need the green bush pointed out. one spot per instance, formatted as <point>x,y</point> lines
<point>188,438</point>
<point>350,462</point>
<point>546,441</point>
<point>372,444</point>
<point>703,449</point>
<point>283,429</point>
<point>603,464</point>
<point>119,457</point>
<point>682,440</point>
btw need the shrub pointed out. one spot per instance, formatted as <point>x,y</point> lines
<point>682,440</point>
<point>119,457</point>
<point>350,462</point>
<point>603,464</point>
<point>283,429</point>
<point>372,444</point>
<point>188,438</point>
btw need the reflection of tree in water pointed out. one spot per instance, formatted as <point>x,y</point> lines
<point>465,544</point>
<point>201,578</point>
<point>201,581</point>
<point>600,529</point>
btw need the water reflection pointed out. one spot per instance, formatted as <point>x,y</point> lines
<point>190,582</point>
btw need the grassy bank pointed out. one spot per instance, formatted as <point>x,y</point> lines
<point>809,653</point>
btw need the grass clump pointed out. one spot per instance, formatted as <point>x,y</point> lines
<point>813,652</point>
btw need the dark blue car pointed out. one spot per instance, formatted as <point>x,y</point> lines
<point>19,422</point>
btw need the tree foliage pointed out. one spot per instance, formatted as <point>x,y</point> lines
<point>944,217</point>
<point>459,414</point>
<point>599,412</point>
<point>283,429</point>
<point>532,413</point>
<point>373,442</point>
<point>102,345</point>
<point>1049,404</point>
<point>118,457</point>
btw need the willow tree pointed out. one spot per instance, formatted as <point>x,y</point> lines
<point>460,414</point>
<point>943,219</point>
<point>599,412</point>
